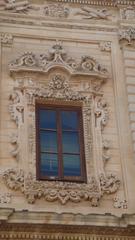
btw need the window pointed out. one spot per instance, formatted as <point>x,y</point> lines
<point>60,147</point>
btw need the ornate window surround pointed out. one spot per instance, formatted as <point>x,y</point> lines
<point>50,77</point>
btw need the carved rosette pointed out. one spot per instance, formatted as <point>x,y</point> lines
<point>105,46</point>
<point>6,38</point>
<point>95,118</point>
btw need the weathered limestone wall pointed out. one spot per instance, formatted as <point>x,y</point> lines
<point>106,82</point>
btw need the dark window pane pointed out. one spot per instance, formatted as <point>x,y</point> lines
<point>49,164</point>
<point>70,142</point>
<point>48,141</point>
<point>69,120</point>
<point>71,165</point>
<point>47,119</point>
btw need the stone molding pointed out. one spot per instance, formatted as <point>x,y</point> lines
<point>28,235</point>
<point>58,88</point>
<point>68,232</point>
<point>110,3</point>
<point>24,6</point>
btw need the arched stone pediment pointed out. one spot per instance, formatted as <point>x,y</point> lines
<point>58,58</point>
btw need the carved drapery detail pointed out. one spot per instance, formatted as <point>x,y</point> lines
<point>58,57</point>
<point>127,36</point>
<point>95,116</point>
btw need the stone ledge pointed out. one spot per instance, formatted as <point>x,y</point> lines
<point>64,220</point>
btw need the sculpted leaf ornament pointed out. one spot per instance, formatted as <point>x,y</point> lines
<point>127,35</point>
<point>58,57</point>
<point>60,191</point>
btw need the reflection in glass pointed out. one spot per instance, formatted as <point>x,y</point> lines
<point>47,119</point>
<point>48,141</point>
<point>71,165</point>
<point>49,164</point>
<point>70,142</point>
<point>69,120</point>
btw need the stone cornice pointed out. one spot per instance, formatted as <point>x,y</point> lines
<point>6,19</point>
<point>110,3</point>
<point>24,220</point>
<point>56,231</point>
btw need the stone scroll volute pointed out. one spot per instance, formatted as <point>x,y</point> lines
<point>57,72</point>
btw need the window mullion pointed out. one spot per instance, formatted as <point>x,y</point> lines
<point>60,158</point>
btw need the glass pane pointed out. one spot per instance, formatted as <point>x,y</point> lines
<point>49,164</point>
<point>71,165</point>
<point>48,141</point>
<point>69,120</point>
<point>70,142</point>
<point>47,119</point>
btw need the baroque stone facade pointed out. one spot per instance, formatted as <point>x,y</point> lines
<point>80,52</point>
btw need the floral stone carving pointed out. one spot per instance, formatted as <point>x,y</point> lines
<point>56,10</point>
<point>61,191</point>
<point>57,57</point>
<point>128,13</point>
<point>6,38</point>
<point>127,35</point>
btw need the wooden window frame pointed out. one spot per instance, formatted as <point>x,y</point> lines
<point>61,177</point>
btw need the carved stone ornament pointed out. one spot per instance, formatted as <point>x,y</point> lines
<point>91,13</point>
<point>15,7</point>
<point>120,203</point>
<point>15,142</point>
<point>95,118</point>
<point>6,38</point>
<point>57,57</point>
<point>56,10</point>
<point>128,13</point>
<point>5,198</point>
<point>127,35</point>
<point>61,191</point>
<point>105,46</point>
